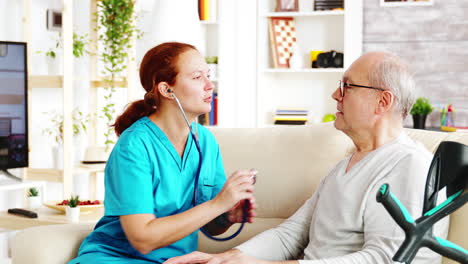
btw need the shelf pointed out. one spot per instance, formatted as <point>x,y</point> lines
<point>101,83</point>
<point>55,175</point>
<point>304,14</point>
<point>56,81</point>
<point>208,22</point>
<point>8,184</point>
<point>321,70</point>
<point>46,81</point>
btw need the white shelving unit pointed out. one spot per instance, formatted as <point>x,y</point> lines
<point>306,88</point>
<point>65,82</point>
<point>211,35</point>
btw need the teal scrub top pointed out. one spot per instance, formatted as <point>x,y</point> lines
<point>145,175</point>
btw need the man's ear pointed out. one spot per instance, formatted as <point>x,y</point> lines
<point>386,102</point>
<point>164,90</point>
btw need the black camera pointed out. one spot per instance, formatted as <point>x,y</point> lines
<point>331,59</point>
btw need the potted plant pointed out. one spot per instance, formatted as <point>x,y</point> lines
<point>116,21</point>
<point>80,122</point>
<point>72,211</point>
<point>419,111</point>
<point>54,55</point>
<point>34,200</point>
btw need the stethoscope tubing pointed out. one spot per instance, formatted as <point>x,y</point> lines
<point>195,194</point>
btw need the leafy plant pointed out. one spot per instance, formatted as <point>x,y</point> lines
<point>73,201</point>
<point>211,59</point>
<point>33,192</point>
<point>79,46</point>
<point>421,107</point>
<point>116,21</point>
<point>80,122</point>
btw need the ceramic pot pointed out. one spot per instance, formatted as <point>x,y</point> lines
<point>72,214</point>
<point>34,202</point>
<point>419,121</point>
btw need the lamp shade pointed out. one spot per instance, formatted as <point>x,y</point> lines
<point>177,20</point>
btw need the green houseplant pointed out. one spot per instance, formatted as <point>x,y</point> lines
<point>80,122</point>
<point>72,211</point>
<point>53,55</point>
<point>55,131</point>
<point>421,108</point>
<point>33,192</point>
<point>116,21</point>
<point>34,200</point>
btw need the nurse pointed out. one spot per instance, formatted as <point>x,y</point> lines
<point>150,175</point>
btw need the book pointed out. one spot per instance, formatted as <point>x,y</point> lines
<point>289,122</point>
<point>291,117</point>
<point>204,9</point>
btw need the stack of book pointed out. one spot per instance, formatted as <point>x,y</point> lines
<point>208,10</point>
<point>328,4</point>
<point>291,117</point>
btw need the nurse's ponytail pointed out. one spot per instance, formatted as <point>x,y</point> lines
<point>159,65</point>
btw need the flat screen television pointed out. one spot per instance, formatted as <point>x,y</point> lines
<point>13,106</point>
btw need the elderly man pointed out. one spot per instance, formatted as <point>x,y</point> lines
<point>342,222</point>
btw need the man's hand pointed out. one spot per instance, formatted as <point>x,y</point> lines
<point>197,257</point>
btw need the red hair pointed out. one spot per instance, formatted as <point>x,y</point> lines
<point>159,65</point>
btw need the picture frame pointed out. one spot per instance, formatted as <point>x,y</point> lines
<point>54,20</point>
<point>406,2</point>
<point>287,6</point>
<point>282,33</point>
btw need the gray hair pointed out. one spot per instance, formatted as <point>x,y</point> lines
<point>392,73</point>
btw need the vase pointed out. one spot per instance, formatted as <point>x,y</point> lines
<point>57,154</point>
<point>55,65</point>
<point>213,70</point>
<point>34,202</point>
<point>57,157</point>
<point>72,214</point>
<point>419,121</point>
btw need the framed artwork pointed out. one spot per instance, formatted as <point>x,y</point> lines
<point>287,5</point>
<point>54,19</point>
<point>406,2</point>
<point>282,40</point>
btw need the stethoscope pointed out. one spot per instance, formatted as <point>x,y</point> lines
<point>195,194</point>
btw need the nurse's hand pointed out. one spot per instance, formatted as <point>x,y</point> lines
<point>239,186</point>
<point>236,214</point>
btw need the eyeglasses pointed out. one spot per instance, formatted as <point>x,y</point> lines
<point>344,85</point>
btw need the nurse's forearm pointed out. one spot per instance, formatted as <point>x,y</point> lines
<point>218,225</point>
<point>146,232</point>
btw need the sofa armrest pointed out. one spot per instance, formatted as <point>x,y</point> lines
<point>52,244</point>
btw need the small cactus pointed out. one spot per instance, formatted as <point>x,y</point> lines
<point>32,192</point>
<point>73,201</point>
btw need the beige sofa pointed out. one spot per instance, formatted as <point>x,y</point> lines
<point>290,161</point>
